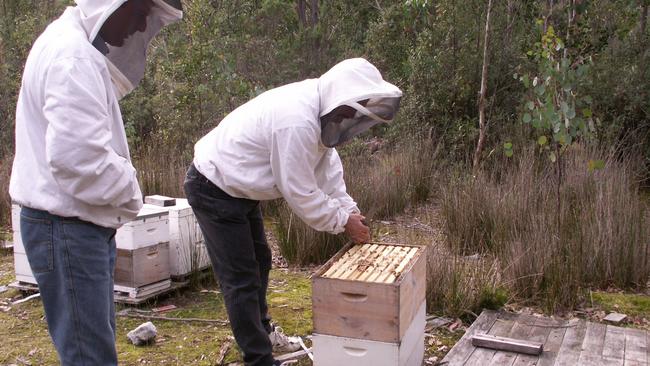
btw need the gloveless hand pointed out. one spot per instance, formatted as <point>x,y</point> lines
<point>356,229</point>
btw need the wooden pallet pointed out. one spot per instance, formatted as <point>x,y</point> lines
<point>122,295</point>
<point>372,263</point>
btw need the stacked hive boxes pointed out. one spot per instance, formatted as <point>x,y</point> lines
<point>187,252</point>
<point>369,306</point>
<point>21,265</point>
<point>143,250</point>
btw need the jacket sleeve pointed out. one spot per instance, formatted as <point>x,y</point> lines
<point>294,156</point>
<point>78,138</point>
<point>329,176</point>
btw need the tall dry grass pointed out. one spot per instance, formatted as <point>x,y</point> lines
<point>161,171</point>
<point>382,184</point>
<point>5,199</point>
<point>511,213</point>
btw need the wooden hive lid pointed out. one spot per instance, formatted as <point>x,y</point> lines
<point>372,262</point>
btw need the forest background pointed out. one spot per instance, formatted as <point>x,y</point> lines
<point>525,123</point>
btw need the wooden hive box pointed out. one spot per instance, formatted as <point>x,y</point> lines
<point>150,227</point>
<point>143,266</point>
<point>369,291</point>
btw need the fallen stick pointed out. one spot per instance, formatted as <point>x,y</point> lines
<point>293,356</point>
<point>223,351</point>
<point>128,314</point>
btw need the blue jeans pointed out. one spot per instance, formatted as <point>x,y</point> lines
<point>73,263</point>
<point>233,229</point>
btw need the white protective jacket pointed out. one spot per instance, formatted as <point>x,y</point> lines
<point>274,146</point>
<point>72,157</point>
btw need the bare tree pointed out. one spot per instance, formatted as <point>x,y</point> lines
<point>481,103</point>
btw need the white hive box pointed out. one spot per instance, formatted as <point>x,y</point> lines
<point>337,351</point>
<point>21,265</point>
<point>150,227</point>
<point>187,252</point>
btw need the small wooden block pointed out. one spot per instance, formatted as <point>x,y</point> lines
<point>158,200</point>
<point>615,317</point>
<point>507,344</point>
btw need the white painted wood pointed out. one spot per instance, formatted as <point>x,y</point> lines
<point>22,269</point>
<point>158,200</point>
<point>143,291</point>
<point>339,351</point>
<point>187,252</point>
<point>15,228</point>
<point>150,227</point>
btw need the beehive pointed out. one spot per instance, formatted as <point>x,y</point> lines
<point>369,291</point>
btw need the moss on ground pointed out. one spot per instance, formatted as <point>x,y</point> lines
<point>25,339</point>
<point>629,304</point>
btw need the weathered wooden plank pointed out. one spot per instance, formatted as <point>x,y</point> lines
<point>592,345</point>
<point>523,325</point>
<point>482,356</point>
<point>636,348</point>
<point>614,346</point>
<point>569,352</point>
<point>507,344</point>
<point>463,348</point>
<point>553,342</point>
<point>541,329</point>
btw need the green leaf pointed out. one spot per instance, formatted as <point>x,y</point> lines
<point>509,153</point>
<point>526,81</point>
<point>571,113</point>
<point>540,89</point>
<point>507,145</point>
<point>564,107</point>
<point>542,140</point>
<point>587,112</point>
<point>530,105</point>
<point>527,118</point>
<point>595,165</point>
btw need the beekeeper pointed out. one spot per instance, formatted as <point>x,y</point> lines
<point>72,173</point>
<point>280,144</point>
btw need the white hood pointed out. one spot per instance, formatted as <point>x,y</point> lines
<point>348,83</point>
<point>127,62</point>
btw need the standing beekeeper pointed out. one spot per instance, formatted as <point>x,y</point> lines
<point>72,172</point>
<point>280,144</point>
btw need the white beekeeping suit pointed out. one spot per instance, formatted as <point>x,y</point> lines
<point>276,145</point>
<point>72,157</point>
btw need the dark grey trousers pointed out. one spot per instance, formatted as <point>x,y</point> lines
<point>241,260</point>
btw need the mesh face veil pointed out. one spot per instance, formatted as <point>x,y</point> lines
<point>377,110</point>
<point>126,63</point>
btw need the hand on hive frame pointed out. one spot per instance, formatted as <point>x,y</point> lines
<point>356,229</point>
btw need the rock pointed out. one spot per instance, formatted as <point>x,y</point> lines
<point>615,317</point>
<point>144,334</point>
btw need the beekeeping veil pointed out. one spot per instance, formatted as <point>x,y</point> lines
<point>127,62</point>
<point>358,84</point>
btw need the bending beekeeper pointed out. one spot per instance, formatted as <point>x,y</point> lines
<point>280,144</point>
<point>72,173</point>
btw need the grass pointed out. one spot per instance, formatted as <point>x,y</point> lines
<point>620,302</point>
<point>24,331</point>
<point>383,184</point>
<point>508,216</point>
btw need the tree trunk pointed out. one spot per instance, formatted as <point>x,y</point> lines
<point>301,10</point>
<point>481,104</point>
<point>314,13</point>
<point>643,18</point>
